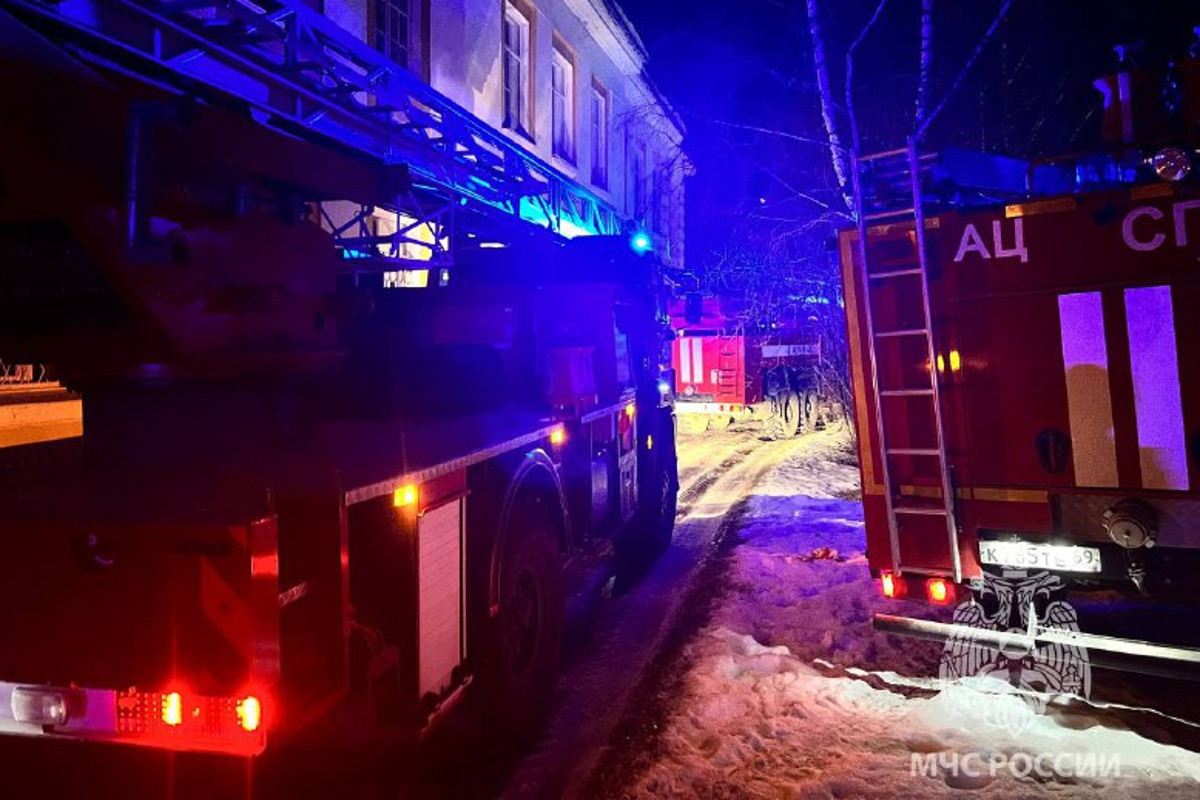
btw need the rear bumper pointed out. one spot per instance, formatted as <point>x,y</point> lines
<point>683,406</point>
<point>1110,652</point>
<point>104,715</point>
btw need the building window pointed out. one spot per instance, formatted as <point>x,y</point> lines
<point>391,29</point>
<point>658,203</point>
<point>562,111</point>
<point>637,180</point>
<point>516,70</point>
<point>600,111</point>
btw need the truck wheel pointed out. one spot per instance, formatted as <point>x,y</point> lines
<point>649,534</point>
<point>785,416</point>
<point>524,642</point>
<point>810,418</point>
<point>774,421</point>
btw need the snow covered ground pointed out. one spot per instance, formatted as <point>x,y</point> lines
<point>789,692</point>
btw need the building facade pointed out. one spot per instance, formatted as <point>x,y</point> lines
<point>563,78</point>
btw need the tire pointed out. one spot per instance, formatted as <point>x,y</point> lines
<point>660,516</point>
<point>784,420</point>
<point>810,417</point>
<point>774,420</point>
<point>650,533</point>
<point>523,645</point>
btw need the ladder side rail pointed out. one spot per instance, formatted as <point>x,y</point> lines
<point>877,404</point>
<point>939,429</point>
<point>397,87</point>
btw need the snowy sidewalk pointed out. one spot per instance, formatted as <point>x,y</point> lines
<point>776,703</point>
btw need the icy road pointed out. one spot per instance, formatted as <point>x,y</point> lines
<point>787,691</point>
<point>744,664</point>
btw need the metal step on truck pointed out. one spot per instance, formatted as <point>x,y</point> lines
<point>1024,351</point>
<point>324,491</point>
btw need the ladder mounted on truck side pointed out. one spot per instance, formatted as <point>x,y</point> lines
<point>298,72</point>
<point>895,177</point>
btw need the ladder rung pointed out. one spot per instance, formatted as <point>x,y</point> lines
<point>902,261</point>
<point>922,510</point>
<point>913,451</point>
<point>894,273</point>
<point>906,392</point>
<point>899,212</point>
<point>903,332</point>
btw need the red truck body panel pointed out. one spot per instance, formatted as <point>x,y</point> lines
<point>719,359</point>
<point>1068,361</point>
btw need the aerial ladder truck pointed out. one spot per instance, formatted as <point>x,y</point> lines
<point>335,454</point>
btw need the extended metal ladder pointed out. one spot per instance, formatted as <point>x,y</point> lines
<point>299,72</point>
<point>896,180</point>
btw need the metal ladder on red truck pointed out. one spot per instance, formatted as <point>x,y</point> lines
<point>902,171</point>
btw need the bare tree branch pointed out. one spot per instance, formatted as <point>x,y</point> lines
<point>926,61</point>
<point>837,153</point>
<point>854,140</point>
<point>962,73</point>
<point>795,137</point>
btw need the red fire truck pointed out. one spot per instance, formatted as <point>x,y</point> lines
<point>728,367</point>
<point>323,492</point>
<point>1027,379</point>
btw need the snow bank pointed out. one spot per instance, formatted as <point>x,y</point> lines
<point>792,694</point>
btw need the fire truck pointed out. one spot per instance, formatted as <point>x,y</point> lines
<point>1024,355</point>
<point>326,489</point>
<point>728,367</point>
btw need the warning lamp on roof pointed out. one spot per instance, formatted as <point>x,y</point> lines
<point>1172,164</point>
<point>640,242</point>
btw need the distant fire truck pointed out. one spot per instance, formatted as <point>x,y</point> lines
<point>728,367</point>
<point>1027,377</point>
<point>323,492</point>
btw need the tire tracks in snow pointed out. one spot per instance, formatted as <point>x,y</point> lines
<point>632,742</point>
<point>643,625</point>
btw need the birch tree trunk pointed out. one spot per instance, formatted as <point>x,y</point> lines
<point>926,61</point>
<point>837,153</point>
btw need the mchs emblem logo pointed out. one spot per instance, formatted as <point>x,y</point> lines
<point>1019,603</point>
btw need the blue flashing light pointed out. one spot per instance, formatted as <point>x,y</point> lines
<point>640,242</point>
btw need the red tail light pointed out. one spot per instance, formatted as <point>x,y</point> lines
<point>891,585</point>
<point>184,721</point>
<point>940,592</point>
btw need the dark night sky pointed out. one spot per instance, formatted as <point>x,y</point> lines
<point>749,62</point>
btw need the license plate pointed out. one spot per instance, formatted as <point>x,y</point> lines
<point>1028,555</point>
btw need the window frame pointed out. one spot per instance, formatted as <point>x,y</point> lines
<point>637,180</point>
<point>563,104</point>
<point>516,16</point>
<point>381,36</point>
<point>601,140</point>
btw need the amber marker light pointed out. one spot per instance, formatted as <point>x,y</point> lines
<point>405,496</point>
